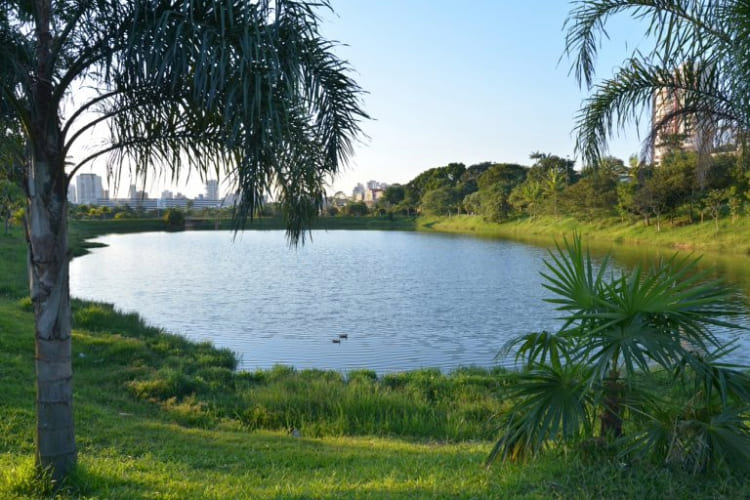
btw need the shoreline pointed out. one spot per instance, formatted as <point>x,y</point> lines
<point>732,239</point>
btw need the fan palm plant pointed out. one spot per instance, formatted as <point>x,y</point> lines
<point>249,90</point>
<point>618,330</point>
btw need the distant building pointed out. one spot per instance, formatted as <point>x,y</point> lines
<point>71,193</point>
<point>201,202</point>
<point>163,203</point>
<point>358,193</point>
<point>88,189</point>
<point>373,195</point>
<point>144,202</point>
<point>679,132</point>
<point>212,190</point>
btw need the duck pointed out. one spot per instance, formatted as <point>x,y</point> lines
<point>343,335</point>
<point>336,341</point>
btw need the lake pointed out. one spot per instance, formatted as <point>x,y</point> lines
<point>401,300</point>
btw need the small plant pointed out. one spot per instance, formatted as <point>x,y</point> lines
<point>623,334</point>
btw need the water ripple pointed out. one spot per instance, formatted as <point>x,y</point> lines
<point>405,300</point>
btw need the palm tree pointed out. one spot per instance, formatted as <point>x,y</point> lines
<point>618,331</point>
<point>527,195</point>
<point>554,184</point>
<point>247,89</point>
<point>700,53</point>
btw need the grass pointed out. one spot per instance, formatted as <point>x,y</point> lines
<point>160,417</point>
<point>732,237</point>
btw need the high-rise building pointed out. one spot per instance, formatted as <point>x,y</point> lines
<point>88,189</point>
<point>678,132</point>
<point>212,190</point>
<point>71,193</point>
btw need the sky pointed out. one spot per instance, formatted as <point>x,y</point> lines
<point>464,82</point>
<point>459,82</point>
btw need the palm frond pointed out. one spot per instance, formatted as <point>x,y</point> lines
<point>538,348</point>
<point>246,91</point>
<point>675,25</point>
<point>553,403</point>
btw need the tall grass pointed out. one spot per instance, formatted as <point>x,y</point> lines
<point>424,404</point>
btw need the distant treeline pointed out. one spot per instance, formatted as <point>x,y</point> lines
<point>683,185</point>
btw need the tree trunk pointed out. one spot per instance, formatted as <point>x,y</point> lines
<point>611,417</point>
<point>50,294</point>
<point>46,233</point>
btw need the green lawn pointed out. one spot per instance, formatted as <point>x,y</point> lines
<point>160,417</point>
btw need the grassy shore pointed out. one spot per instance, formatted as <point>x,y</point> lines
<point>160,417</point>
<point>731,237</point>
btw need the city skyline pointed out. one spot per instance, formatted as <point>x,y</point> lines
<point>87,188</point>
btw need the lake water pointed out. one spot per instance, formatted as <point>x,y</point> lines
<point>403,300</point>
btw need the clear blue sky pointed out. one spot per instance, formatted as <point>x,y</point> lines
<point>464,81</point>
<point>457,82</point>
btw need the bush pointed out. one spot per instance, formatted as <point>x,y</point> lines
<point>174,218</point>
<point>622,336</point>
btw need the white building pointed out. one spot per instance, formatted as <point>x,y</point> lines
<point>212,190</point>
<point>134,194</point>
<point>678,131</point>
<point>88,189</point>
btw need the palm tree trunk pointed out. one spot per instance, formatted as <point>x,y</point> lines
<point>46,233</point>
<point>611,417</point>
<point>50,294</point>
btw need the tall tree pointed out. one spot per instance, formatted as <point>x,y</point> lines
<point>247,89</point>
